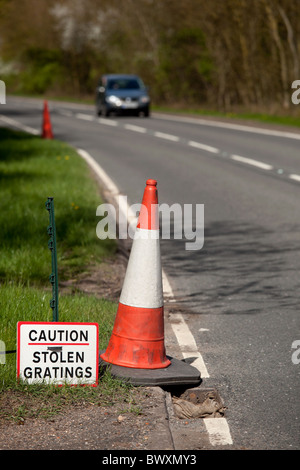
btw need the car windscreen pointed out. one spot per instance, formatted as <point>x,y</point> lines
<point>124,84</point>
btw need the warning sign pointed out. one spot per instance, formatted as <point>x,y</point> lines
<point>58,353</point>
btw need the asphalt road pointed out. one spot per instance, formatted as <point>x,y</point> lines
<point>240,291</point>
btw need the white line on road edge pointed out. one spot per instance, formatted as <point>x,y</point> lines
<point>17,124</point>
<point>250,161</point>
<point>218,431</point>
<point>127,213</point>
<point>198,145</point>
<point>236,127</point>
<point>109,184</point>
<point>187,343</point>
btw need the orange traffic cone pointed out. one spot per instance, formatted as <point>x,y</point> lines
<point>47,128</point>
<point>137,340</point>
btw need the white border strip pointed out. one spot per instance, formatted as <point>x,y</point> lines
<point>218,430</point>
<point>109,184</point>
<point>17,124</point>
<point>187,343</point>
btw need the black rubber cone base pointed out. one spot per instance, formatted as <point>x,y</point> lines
<point>177,373</point>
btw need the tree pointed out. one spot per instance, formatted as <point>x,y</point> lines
<point>221,54</point>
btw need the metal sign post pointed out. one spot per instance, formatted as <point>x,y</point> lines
<point>53,278</point>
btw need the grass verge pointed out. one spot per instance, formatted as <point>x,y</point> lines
<point>31,169</point>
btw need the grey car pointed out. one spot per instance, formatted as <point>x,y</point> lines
<point>122,93</point>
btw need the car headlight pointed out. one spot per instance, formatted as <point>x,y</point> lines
<point>144,99</point>
<point>114,100</point>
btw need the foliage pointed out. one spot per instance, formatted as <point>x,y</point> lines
<point>221,54</point>
<point>43,70</point>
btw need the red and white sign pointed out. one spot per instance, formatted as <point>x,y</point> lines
<point>58,353</point>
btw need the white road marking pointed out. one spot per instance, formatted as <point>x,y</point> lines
<point>162,135</point>
<point>133,128</point>
<point>191,143</point>
<point>85,117</point>
<point>107,122</point>
<point>250,161</point>
<point>218,431</point>
<point>168,291</point>
<point>198,145</point>
<point>237,127</point>
<point>65,112</point>
<point>109,184</point>
<point>187,343</point>
<point>295,177</point>
<point>17,124</point>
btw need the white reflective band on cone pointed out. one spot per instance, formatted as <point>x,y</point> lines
<point>143,280</point>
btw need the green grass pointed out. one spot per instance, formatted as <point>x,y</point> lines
<point>19,400</point>
<point>20,303</point>
<point>31,169</point>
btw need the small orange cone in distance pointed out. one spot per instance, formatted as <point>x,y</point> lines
<point>137,340</point>
<point>47,128</point>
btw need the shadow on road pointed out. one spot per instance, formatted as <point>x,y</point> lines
<point>242,268</point>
